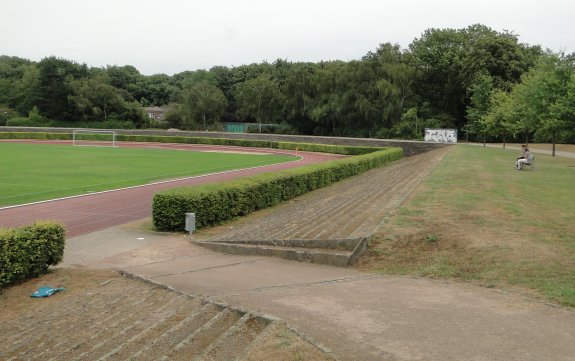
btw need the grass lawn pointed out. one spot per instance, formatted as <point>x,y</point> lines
<point>35,172</point>
<point>478,219</point>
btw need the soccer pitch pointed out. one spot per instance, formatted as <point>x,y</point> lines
<point>36,172</point>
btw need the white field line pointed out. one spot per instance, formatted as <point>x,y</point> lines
<point>147,185</point>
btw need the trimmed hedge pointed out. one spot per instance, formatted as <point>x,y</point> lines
<point>327,148</point>
<point>305,147</point>
<point>35,135</point>
<point>216,203</point>
<point>28,251</point>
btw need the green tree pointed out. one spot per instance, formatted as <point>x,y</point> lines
<point>123,77</point>
<point>451,60</point>
<point>203,103</point>
<point>546,98</point>
<point>327,109</point>
<point>479,106</point>
<point>53,87</point>
<point>174,115</point>
<point>501,121</point>
<point>296,92</point>
<point>95,98</point>
<point>23,92</point>
<point>157,89</point>
<point>259,99</point>
<point>393,78</point>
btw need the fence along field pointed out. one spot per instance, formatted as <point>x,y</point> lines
<point>36,172</point>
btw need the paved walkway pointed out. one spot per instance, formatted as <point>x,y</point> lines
<point>358,316</point>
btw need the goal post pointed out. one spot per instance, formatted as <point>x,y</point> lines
<point>94,138</point>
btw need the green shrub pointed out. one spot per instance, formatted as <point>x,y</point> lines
<point>25,122</point>
<point>327,148</point>
<point>215,203</point>
<point>28,251</point>
<point>5,114</point>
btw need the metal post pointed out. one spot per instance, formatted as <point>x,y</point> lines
<point>190,222</point>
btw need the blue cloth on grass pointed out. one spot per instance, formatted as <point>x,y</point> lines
<point>45,291</point>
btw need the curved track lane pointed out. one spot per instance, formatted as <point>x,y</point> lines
<point>92,212</point>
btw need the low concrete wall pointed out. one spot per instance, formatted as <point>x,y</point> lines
<point>410,147</point>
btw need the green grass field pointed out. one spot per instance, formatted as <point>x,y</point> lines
<point>478,219</point>
<point>35,172</point>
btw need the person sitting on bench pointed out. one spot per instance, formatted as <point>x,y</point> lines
<point>524,158</point>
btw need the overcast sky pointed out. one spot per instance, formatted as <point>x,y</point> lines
<point>171,36</point>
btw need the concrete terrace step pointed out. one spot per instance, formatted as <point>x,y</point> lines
<point>340,253</point>
<point>127,319</point>
<point>326,219</point>
<point>196,342</point>
<point>237,338</point>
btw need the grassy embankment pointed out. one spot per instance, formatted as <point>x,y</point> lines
<point>478,219</point>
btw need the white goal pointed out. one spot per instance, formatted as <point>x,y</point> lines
<point>94,138</point>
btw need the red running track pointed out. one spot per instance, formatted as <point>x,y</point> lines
<point>92,212</point>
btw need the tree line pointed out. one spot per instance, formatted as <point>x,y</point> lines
<point>480,81</point>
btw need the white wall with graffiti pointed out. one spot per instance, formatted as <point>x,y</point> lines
<point>441,135</point>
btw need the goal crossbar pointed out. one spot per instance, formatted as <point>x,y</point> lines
<point>94,138</point>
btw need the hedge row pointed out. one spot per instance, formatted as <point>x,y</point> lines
<point>216,203</point>
<point>35,135</point>
<point>327,148</point>
<point>306,147</point>
<point>28,251</point>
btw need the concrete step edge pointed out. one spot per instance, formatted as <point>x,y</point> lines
<point>342,244</point>
<point>311,255</point>
<point>338,259</point>
<point>222,337</point>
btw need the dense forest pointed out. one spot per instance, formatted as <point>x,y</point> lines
<point>480,81</point>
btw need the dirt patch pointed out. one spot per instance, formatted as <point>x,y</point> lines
<point>15,301</point>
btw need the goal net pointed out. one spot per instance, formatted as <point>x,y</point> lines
<point>94,138</point>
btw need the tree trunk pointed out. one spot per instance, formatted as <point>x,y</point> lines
<point>259,120</point>
<point>553,140</point>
